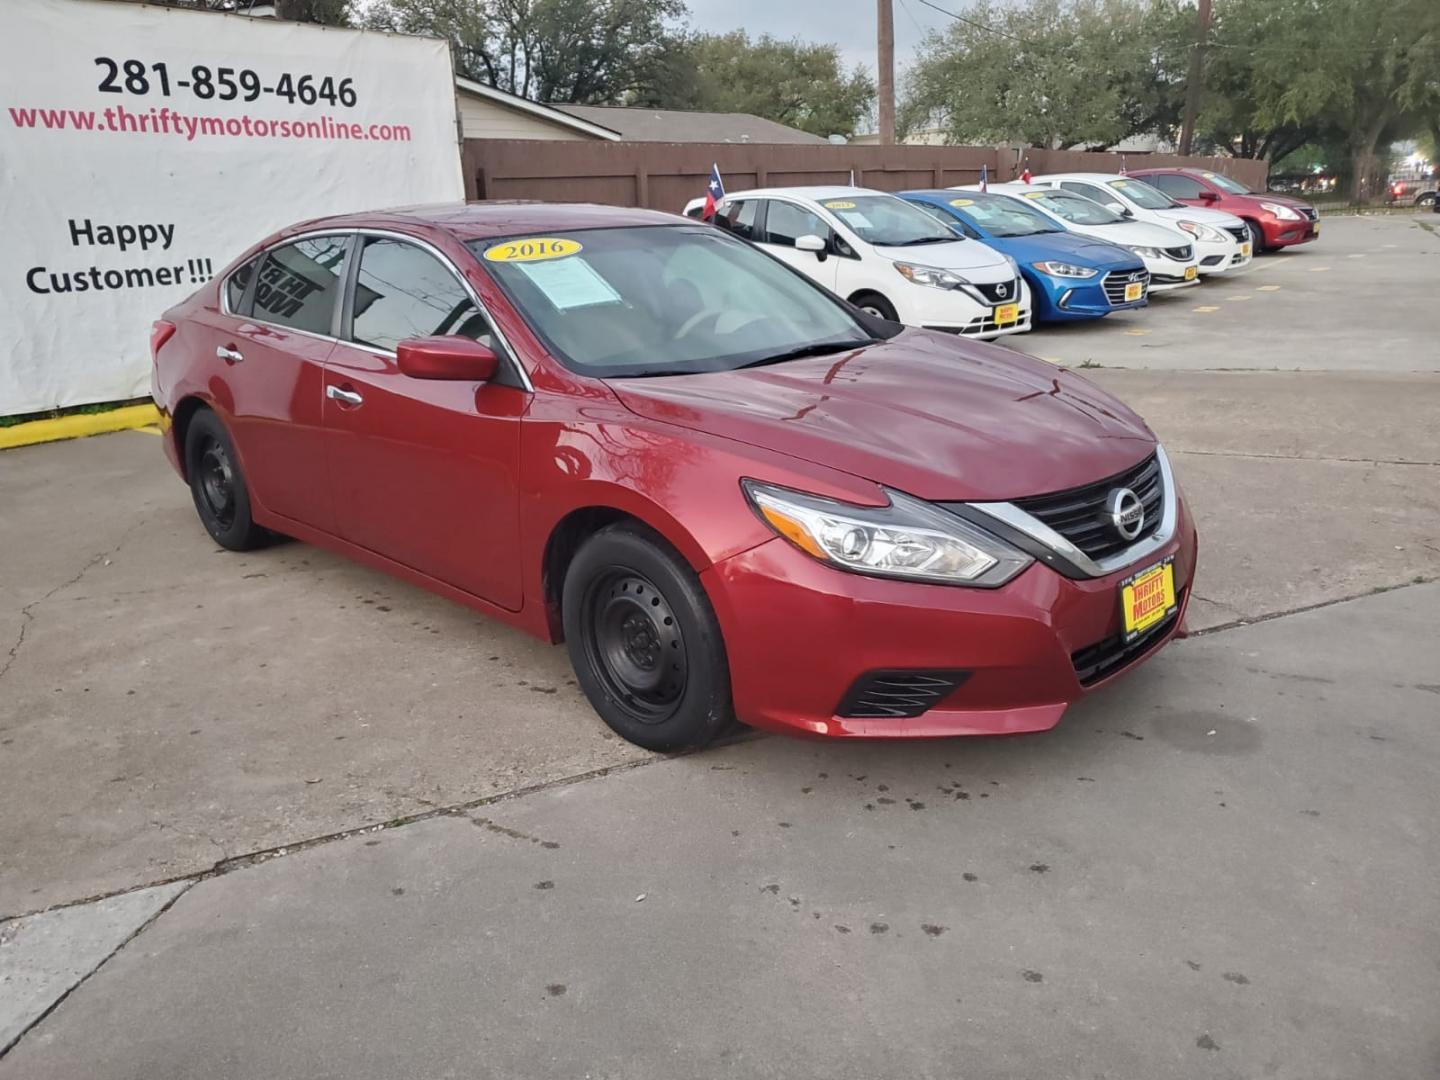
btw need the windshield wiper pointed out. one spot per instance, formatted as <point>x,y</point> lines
<point>815,348</point>
<point>925,240</point>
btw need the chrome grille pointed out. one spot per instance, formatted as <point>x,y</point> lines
<point>1079,513</point>
<point>992,293</point>
<point>1114,284</point>
<point>1181,253</point>
<point>1239,232</point>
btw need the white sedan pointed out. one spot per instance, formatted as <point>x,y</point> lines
<point>1222,240</point>
<point>884,256</point>
<point>1169,255</point>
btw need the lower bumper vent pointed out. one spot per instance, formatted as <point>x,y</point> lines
<point>894,695</point>
<point>1104,658</point>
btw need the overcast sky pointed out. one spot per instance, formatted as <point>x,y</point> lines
<point>848,23</point>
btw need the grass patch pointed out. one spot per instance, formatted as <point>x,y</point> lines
<point>75,410</point>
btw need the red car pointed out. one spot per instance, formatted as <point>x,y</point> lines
<point>728,491</point>
<point>1275,221</point>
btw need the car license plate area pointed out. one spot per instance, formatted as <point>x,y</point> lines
<point>1190,273</point>
<point>1244,251</point>
<point>1007,314</point>
<point>1147,598</point>
<point>1134,291</point>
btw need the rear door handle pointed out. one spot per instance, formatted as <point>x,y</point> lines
<point>349,397</point>
<point>228,354</point>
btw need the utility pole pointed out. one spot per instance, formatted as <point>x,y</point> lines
<point>885,65</point>
<point>1194,84</point>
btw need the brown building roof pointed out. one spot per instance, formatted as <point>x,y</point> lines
<point>679,125</point>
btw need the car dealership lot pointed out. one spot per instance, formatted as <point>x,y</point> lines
<point>1200,872</point>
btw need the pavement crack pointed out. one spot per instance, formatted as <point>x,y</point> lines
<point>1304,457</point>
<point>27,613</point>
<point>1269,616</point>
<point>4,1050</point>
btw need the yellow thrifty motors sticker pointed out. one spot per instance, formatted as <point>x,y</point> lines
<point>962,202</point>
<point>840,204</point>
<point>533,249</point>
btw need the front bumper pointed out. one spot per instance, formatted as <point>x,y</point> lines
<point>1062,300</point>
<point>1222,257</point>
<point>1288,233</point>
<point>800,634</point>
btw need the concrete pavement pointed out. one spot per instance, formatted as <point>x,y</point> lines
<point>1224,868</point>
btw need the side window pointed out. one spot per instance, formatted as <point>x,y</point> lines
<point>1094,194</point>
<point>1175,185</point>
<point>954,224</point>
<point>785,223</point>
<point>300,282</point>
<point>402,291</point>
<point>739,218</point>
<point>237,283</point>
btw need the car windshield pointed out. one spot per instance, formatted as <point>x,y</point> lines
<point>1000,215</point>
<point>1224,183</point>
<point>664,300</point>
<point>1142,194</point>
<point>1073,208</point>
<point>887,221</point>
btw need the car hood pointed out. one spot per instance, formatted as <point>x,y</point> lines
<point>1256,199</point>
<point>1220,219</point>
<point>926,413</point>
<point>1141,233</point>
<point>1091,250</point>
<point>954,255</point>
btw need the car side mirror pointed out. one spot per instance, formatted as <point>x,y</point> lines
<point>810,242</point>
<point>1208,196</point>
<point>1118,208</point>
<point>455,359</point>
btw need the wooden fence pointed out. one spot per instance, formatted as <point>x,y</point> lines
<point>664,176</point>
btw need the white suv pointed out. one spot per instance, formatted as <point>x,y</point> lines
<point>884,256</point>
<point>1222,240</point>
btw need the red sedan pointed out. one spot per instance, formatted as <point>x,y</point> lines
<point>1275,221</point>
<point>730,493</point>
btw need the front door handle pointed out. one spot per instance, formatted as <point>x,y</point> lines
<point>348,397</point>
<point>228,354</point>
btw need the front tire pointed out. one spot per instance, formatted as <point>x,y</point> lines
<point>872,303</point>
<point>217,484</point>
<point>644,641</point>
<point>1257,237</point>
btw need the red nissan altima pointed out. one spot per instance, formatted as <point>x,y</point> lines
<point>731,494</point>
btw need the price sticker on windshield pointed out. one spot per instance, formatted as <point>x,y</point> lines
<point>839,204</point>
<point>533,249</point>
<point>1036,194</point>
<point>962,202</point>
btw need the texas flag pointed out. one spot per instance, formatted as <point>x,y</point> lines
<point>984,177</point>
<point>1025,176</point>
<point>714,192</point>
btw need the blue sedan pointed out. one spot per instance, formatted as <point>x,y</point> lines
<point>1070,276</point>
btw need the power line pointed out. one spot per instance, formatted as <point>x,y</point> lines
<point>976,23</point>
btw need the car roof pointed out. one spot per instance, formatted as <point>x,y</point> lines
<point>481,220</point>
<point>817,192</point>
<point>1098,177</point>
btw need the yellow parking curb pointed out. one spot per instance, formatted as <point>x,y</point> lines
<point>78,425</point>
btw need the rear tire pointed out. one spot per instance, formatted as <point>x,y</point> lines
<point>874,304</point>
<point>217,484</point>
<point>644,641</point>
<point>1257,237</point>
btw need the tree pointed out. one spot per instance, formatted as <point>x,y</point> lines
<point>570,51</point>
<point>1053,73</point>
<point>798,83</point>
<point>326,12</point>
<point>1354,70</point>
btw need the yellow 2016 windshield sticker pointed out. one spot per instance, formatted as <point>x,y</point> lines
<point>962,202</point>
<point>840,204</point>
<point>1037,194</point>
<point>533,249</point>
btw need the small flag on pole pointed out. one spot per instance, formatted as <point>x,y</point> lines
<point>714,192</point>
<point>1122,166</point>
<point>1025,175</point>
<point>984,177</point>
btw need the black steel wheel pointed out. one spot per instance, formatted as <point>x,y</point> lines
<point>872,303</point>
<point>644,640</point>
<point>217,484</point>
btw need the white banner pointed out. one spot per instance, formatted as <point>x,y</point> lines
<point>143,148</point>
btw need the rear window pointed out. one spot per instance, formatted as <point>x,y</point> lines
<point>236,284</point>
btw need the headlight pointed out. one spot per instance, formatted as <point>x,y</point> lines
<point>1064,269</point>
<point>929,275</point>
<point>1284,213</point>
<point>1146,252</point>
<point>1202,232</point>
<point>908,539</point>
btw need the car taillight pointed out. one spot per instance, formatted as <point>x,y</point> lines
<point>1398,189</point>
<point>160,332</point>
